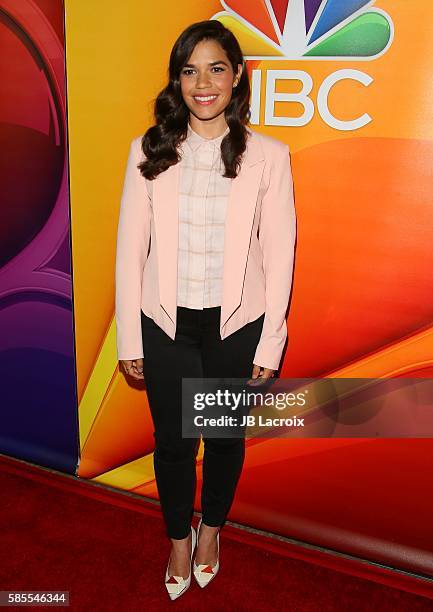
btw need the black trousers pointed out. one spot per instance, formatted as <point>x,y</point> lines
<point>197,351</point>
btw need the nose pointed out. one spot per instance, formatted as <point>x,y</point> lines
<point>203,80</point>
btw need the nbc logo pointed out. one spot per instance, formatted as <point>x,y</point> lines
<point>307,30</point>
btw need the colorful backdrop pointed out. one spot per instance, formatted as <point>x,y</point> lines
<point>348,86</point>
<point>38,407</point>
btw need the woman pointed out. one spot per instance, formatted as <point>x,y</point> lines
<point>203,274</point>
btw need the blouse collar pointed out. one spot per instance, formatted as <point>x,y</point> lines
<point>194,140</point>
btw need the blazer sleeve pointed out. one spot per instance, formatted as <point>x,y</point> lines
<point>133,236</point>
<point>277,234</point>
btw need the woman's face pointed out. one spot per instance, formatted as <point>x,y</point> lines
<point>207,80</point>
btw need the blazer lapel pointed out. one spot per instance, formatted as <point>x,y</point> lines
<point>240,211</point>
<point>166,216</point>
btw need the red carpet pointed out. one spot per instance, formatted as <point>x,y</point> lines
<point>109,551</point>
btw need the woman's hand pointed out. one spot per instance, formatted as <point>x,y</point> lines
<point>133,367</point>
<point>261,375</point>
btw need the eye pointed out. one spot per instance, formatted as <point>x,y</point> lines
<point>218,68</point>
<point>188,71</point>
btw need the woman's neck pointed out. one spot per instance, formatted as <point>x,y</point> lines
<point>208,129</point>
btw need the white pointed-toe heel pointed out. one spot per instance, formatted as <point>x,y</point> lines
<point>205,573</point>
<point>177,585</point>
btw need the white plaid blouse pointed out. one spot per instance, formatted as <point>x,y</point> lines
<point>203,195</point>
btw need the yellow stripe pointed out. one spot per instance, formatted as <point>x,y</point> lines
<point>98,383</point>
<point>133,474</point>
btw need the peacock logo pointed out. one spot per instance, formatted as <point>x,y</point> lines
<point>308,29</point>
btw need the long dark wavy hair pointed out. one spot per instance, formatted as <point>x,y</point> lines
<point>160,142</point>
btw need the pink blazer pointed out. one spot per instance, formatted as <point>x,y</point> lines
<point>258,250</point>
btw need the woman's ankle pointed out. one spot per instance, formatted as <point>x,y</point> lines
<point>179,544</point>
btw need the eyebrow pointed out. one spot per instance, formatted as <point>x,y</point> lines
<point>210,64</point>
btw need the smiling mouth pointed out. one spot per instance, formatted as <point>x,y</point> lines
<point>205,100</point>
